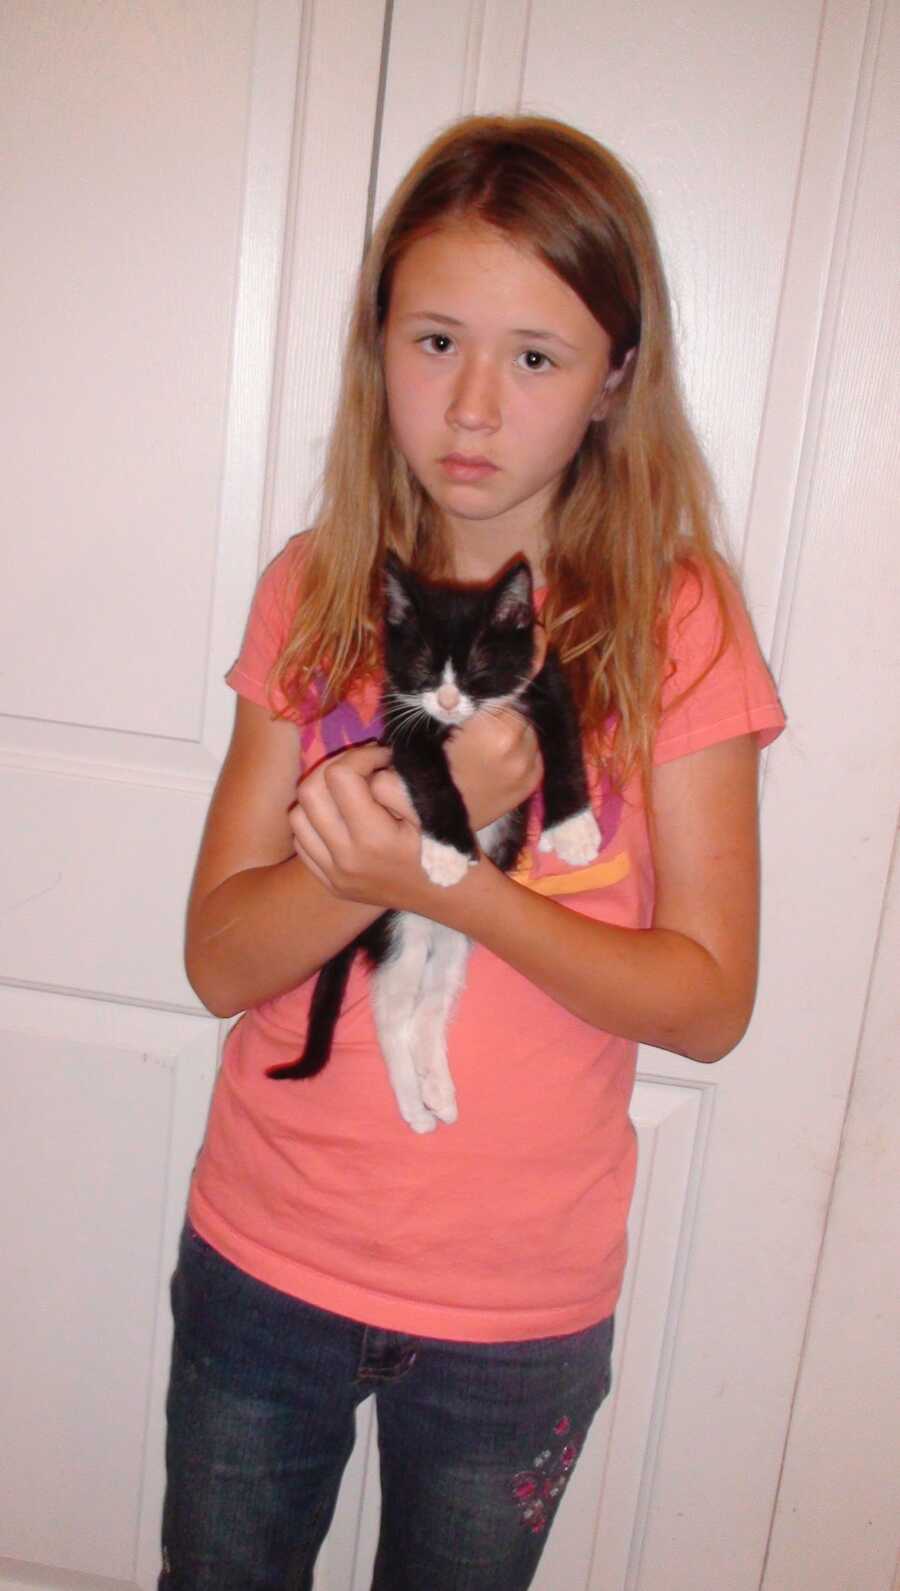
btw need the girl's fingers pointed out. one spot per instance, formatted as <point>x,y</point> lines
<point>322,795</point>
<point>389,791</point>
<point>365,759</point>
<point>311,867</point>
<point>372,821</point>
<point>349,788</point>
<point>308,843</point>
<point>360,848</point>
<point>352,842</point>
<point>316,819</point>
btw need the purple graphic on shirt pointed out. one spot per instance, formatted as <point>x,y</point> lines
<point>607,802</point>
<point>343,726</point>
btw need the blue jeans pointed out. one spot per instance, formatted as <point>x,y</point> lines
<point>476,1441</point>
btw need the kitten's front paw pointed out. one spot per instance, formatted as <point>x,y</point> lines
<point>444,864</point>
<point>576,841</point>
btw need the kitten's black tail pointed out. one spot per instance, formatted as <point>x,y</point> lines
<point>324,1009</point>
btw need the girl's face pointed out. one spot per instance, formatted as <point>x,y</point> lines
<point>494,369</point>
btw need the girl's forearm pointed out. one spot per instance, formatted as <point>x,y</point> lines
<point>266,930</point>
<point>263,931</point>
<point>653,985</point>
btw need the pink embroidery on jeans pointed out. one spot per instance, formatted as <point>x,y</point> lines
<point>536,1491</point>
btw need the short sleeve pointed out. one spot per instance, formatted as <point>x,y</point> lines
<point>706,701</point>
<point>268,625</point>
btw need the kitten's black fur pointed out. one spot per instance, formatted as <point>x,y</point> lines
<point>482,637</point>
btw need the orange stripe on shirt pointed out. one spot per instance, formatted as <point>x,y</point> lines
<point>600,875</point>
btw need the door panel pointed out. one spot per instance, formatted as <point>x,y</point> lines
<point>105,1105</point>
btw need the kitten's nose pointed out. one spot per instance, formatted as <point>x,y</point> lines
<point>448,697</point>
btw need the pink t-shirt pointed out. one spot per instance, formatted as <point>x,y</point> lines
<point>510,1224</point>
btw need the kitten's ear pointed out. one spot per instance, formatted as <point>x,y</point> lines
<point>397,601</point>
<point>513,606</point>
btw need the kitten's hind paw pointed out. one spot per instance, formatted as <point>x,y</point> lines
<point>444,864</point>
<point>440,1097</point>
<point>419,1118</point>
<point>576,841</point>
<point>408,1096</point>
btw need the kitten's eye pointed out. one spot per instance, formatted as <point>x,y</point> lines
<point>533,359</point>
<point>478,669</point>
<point>426,670</point>
<point>437,342</point>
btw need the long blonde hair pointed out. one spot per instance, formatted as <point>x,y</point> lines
<point>636,502</point>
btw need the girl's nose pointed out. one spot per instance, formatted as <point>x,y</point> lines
<point>448,697</point>
<point>475,402</point>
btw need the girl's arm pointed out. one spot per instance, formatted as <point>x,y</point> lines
<point>259,921</point>
<point>688,982</point>
<point>685,984</point>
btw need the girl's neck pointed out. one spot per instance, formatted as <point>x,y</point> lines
<point>479,556</point>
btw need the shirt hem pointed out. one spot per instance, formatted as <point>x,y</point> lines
<point>388,1313</point>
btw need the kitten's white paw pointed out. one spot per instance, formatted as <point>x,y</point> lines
<point>439,1095</point>
<point>444,864</point>
<point>576,841</point>
<point>421,1120</point>
<point>408,1094</point>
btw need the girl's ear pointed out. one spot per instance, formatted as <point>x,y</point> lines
<point>613,380</point>
<point>397,600</point>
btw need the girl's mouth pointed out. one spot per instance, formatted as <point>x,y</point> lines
<point>467,467</point>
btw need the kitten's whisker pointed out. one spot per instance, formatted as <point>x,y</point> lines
<point>395,703</point>
<point>401,717</point>
<point>403,710</point>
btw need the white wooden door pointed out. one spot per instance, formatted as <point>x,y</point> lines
<point>186,187</point>
<point>162,162</point>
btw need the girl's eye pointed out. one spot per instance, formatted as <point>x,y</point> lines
<point>533,359</point>
<point>437,342</point>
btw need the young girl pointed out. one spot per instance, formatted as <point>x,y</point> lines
<point>509,387</point>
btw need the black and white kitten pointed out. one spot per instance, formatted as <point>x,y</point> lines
<point>450,651</point>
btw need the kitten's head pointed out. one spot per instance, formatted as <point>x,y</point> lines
<point>450,650</point>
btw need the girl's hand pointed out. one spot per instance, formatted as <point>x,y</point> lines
<point>495,759</point>
<point>496,764</point>
<point>360,848</point>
